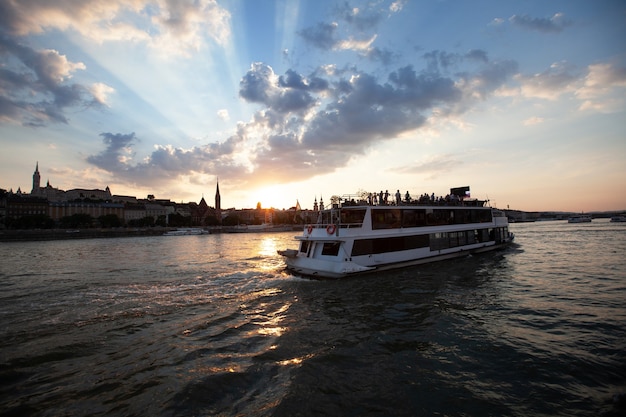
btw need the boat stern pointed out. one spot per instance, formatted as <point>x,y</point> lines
<point>300,264</point>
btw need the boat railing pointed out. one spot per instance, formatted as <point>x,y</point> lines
<point>351,225</point>
<point>331,226</point>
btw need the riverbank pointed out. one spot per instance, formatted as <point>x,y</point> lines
<point>60,234</point>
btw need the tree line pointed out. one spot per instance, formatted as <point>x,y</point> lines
<point>86,221</point>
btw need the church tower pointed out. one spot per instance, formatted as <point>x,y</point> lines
<point>36,180</point>
<point>218,203</point>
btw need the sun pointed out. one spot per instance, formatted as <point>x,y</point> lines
<point>273,196</point>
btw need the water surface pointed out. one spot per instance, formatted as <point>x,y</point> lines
<point>213,325</point>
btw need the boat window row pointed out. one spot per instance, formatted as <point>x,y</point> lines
<point>388,244</point>
<point>439,241</point>
<point>399,218</point>
<point>433,241</point>
<point>352,217</point>
<point>328,248</point>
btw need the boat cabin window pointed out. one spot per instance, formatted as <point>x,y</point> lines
<point>330,248</point>
<point>445,240</point>
<point>304,246</point>
<point>352,217</point>
<point>386,218</point>
<point>413,218</point>
<point>328,217</point>
<point>410,217</point>
<point>389,244</point>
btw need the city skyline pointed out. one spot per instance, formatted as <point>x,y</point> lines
<point>294,101</point>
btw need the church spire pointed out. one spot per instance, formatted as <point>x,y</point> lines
<point>36,180</point>
<point>218,199</point>
<point>218,203</point>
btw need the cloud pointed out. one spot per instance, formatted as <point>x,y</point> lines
<point>554,24</point>
<point>364,21</point>
<point>603,88</point>
<point>432,166</point>
<point>549,84</point>
<point>600,88</point>
<point>397,6</point>
<point>382,55</point>
<point>182,25</point>
<point>281,94</point>
<point>176,27</point>
<point>532,121</point>
<point>100,93</point>
<point>307,124</point>
<point>321,36</point>
<point>35,85</point>
<point>166,163</point>
<point>477,55</point>
<point>360,112</point>
<point>116,154</point>
<point>361,19</point>
<point>223,114</point>
<point>355,45</point>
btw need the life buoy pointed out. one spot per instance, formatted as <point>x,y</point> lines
<point>309,229</point>
<point>330,229</point>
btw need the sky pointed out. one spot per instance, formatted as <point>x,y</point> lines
<point>285,101</point>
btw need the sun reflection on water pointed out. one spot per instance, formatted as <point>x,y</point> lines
<point>268,246</point>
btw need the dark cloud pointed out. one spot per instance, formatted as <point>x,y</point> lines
<point>34,87</point>
<point>309,124</point>
<point>442,61</point>
<point>167,163</point>
<point>361,19</point>
<point>292,79</point>
<point>111,158</point>
<point>363,111</point>
<point>255,85</point>
<point>285,94</point>
<point>370,111</point>
<point>383,56</point>
<point>437,61</point>
<point>493,76</point>
<point>321,36</point>
<point>477,55</point>
<point>554,24</point>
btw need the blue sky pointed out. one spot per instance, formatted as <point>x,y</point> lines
<point>282,100</point>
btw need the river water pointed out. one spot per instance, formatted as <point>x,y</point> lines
<point>212,325</point>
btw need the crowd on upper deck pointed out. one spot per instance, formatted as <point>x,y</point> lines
<point>386,199</point>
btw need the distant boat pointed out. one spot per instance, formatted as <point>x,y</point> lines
<point>186,232</point>
<point>257,228</point>
<point>618,219</point>
<point>251,228</point>
<point>580,218</point>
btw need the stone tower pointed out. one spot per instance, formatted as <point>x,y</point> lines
<point>36,180</point>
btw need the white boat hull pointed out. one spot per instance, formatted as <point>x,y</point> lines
<point>366,239</point>
<point>328,269</point>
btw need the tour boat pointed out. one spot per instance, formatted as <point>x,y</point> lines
<point>186,232</point>
<point>581,218</point>
<point>352,239</point>
<point>618,219</point>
